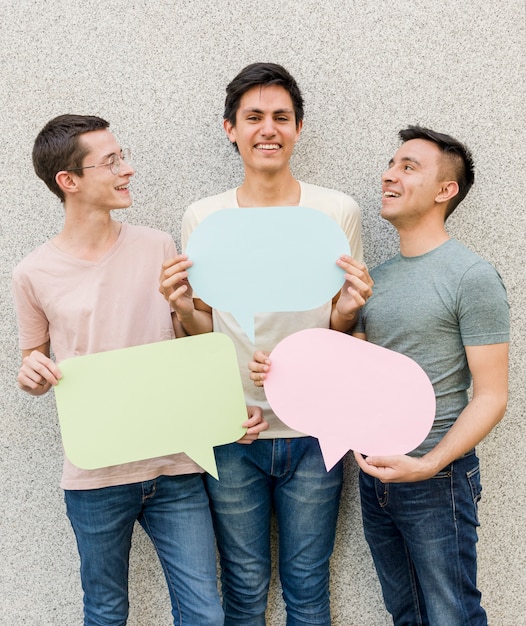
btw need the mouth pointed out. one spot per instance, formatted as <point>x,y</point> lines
<point>390,194</point>
<point>122,188</point>
<point>267,146</point>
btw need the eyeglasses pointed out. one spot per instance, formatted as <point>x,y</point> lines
<point>114,162</point>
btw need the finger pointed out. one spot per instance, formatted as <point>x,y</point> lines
<point>171,269</point>
<point>360,459</point>
<point>176,259</point>
<point>36,376</point>
<point>356,285</point>
<point>254,428</point>
<point>171,282</point>
<point>252,421</point>
<point>354,268</point>
<point>177,293</point>
<point>258,378</point>
<point>255,366</point>
<point>261,356</point>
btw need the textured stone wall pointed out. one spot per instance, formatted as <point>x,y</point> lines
<point>157,71</point>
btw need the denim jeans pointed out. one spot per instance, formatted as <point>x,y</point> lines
<point>423,538</point>
<point>174,512</point>
<point>289,476</point>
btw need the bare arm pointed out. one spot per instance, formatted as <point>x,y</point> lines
<point>193,316</point>
<point>489,368</point>
<point>355,292</point>
<point>38,373</point>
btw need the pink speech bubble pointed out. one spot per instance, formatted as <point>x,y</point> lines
<point>350,394</point>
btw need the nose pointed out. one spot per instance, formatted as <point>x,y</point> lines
<point>268,127</point>
<point>125,168</point>
<point>389,175</point>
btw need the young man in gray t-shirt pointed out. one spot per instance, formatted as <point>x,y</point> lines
<point>445,307</point>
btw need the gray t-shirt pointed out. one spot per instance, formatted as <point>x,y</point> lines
<point>429,307</point>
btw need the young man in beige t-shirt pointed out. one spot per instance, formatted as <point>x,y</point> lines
<point>283,471</point>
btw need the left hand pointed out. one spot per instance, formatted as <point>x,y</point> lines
<point>357,289</point>
<point>255,424</point>
<point>259,366</point>
<point>396,469</point>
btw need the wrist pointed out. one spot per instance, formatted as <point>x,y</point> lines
<point>343,322</point>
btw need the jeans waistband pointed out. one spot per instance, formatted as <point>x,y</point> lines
<point>468,453</point>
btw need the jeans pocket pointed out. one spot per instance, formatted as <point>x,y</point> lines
<point>473,477</point>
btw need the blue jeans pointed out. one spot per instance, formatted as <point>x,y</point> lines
<point>289,476</point>
<point>423,540</point>
<point>174,512</point>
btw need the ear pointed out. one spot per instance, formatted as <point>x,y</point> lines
<point>230,131</point>
<point>299,128</point>
<point>448,190</point>
<point>67,182</point>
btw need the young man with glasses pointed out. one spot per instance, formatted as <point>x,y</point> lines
<point>90,289</point>
<point>284,471</point>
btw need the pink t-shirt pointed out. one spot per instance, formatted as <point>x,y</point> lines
<point>84,307</point>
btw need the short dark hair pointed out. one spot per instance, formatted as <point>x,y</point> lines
<point>57,147</point>
<point>261,74</point>
<point>458,157</point>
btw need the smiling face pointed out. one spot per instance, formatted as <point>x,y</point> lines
<point>265,130</point>
<point>413,184</point>
<point>98,186</point>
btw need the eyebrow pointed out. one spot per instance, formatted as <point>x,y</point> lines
<point>107,156</point>
<point>256,110</point>
<point>405,160</point>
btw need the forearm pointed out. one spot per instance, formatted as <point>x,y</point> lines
<point>475,422</point>
<point>472,425</point>
<point>489,368</point>
<point>343,323</point>
<point>196,322</point>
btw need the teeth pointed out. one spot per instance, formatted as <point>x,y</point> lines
<point>391,194</point>
<point>121,187</point>
<point>268,146</point>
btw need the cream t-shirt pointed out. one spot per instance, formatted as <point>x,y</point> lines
<point>271,328</point>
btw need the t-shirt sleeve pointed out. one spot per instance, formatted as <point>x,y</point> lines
<point>352,226</point>
<point>33,326</point>
<point>170,249</point>
<point>188,225</point>
<point>483,306</point>
<point>359,327</point>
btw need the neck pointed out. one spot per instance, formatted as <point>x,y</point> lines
<point>276,189</point>
<point>415,242</point>
<point>87,236</point>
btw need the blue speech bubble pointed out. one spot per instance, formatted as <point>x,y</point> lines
<point>256,260</point>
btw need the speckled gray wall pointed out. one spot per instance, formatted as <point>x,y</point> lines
<point>157,71</point>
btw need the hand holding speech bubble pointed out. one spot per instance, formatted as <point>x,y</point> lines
<point>350,394</point>
<point>255,260</point>
<point>183,395</point>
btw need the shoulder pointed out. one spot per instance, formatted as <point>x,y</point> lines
<point>36,258</point>
<point>138,239</point>
<point>203,207</point>
<point>319,197</point>
<point>469,265</point>
<point>137,231</point>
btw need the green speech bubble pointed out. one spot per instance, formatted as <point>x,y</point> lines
<point>183,395</point>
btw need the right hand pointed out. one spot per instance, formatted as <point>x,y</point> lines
<point>174,285</point>
<point>38,373</point>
